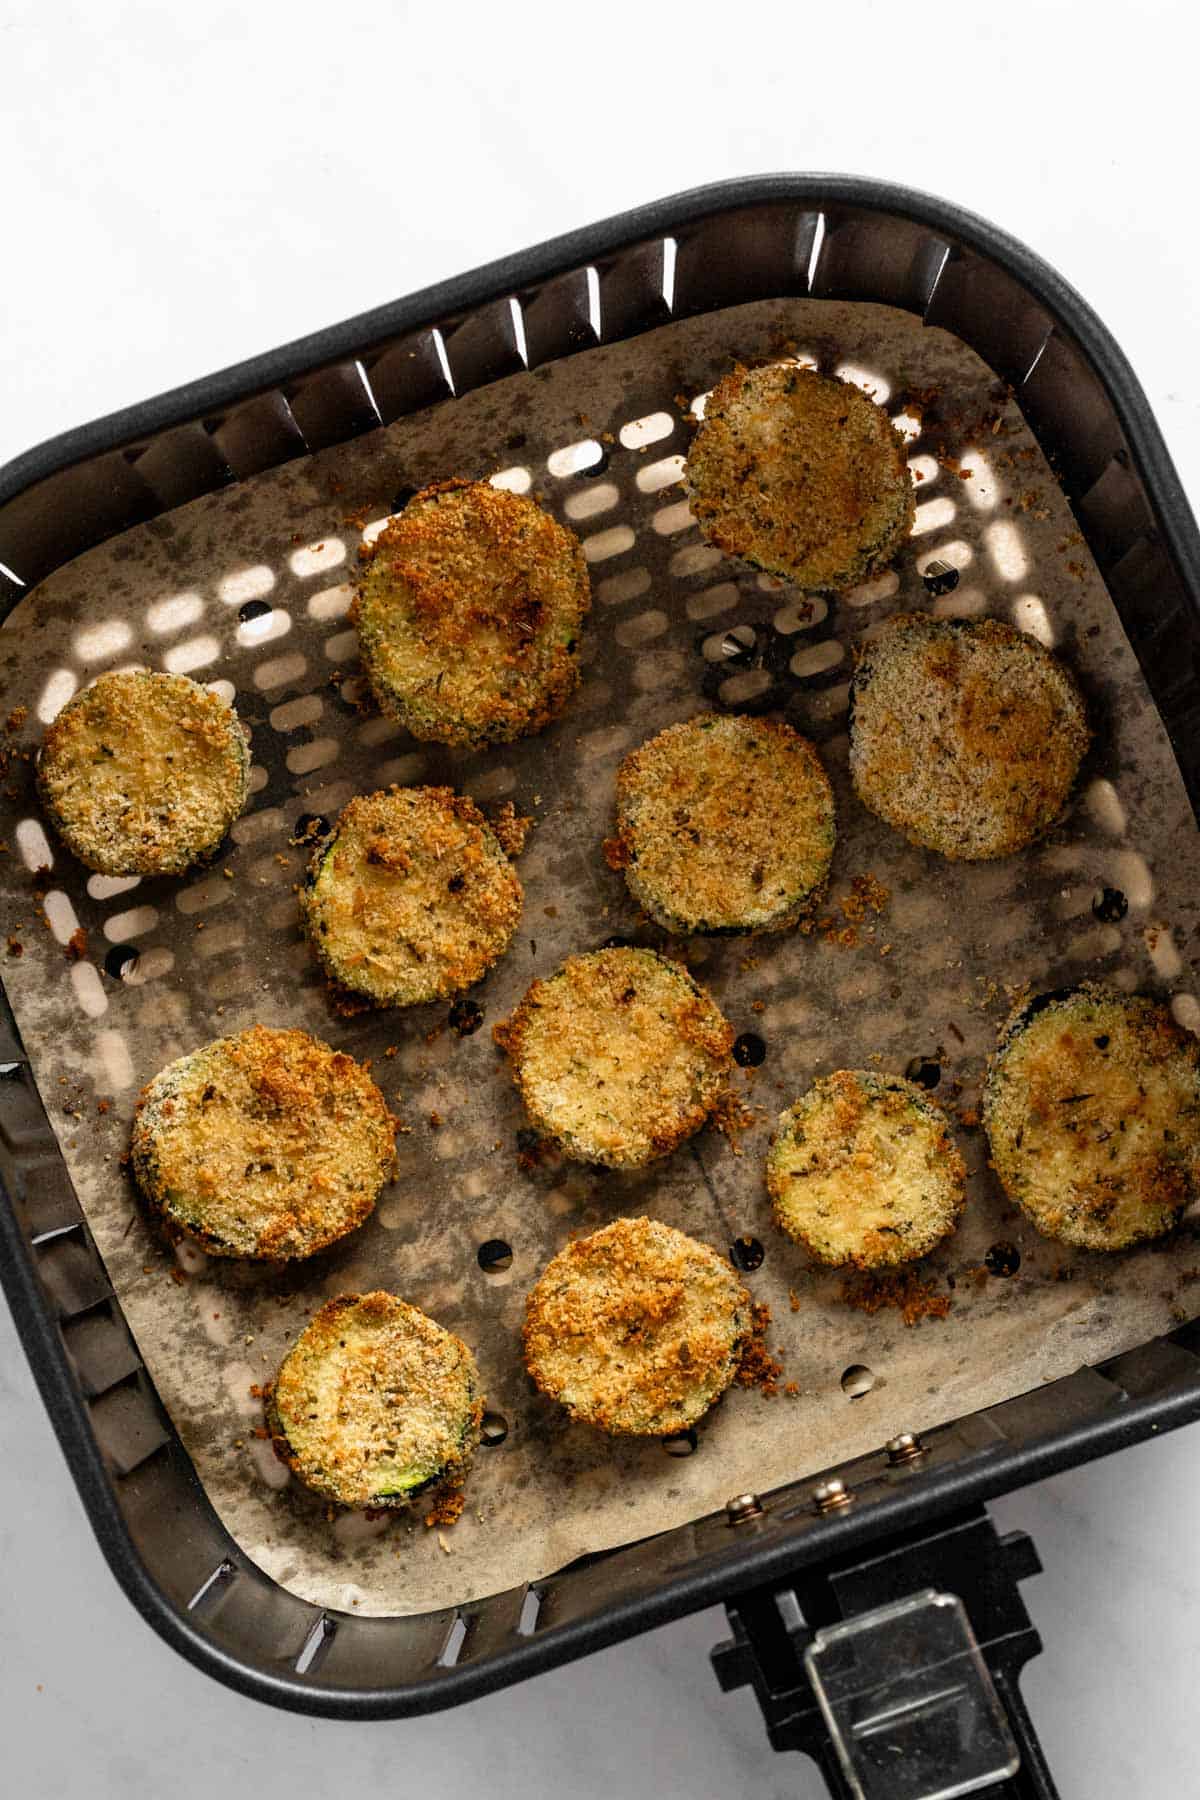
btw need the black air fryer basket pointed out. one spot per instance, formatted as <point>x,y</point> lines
<point>885,1526</point>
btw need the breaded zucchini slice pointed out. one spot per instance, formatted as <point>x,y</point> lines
<point>469,611</point>
<point>636,1329</point>
<point>143,773</point>
<point>1092,1112</point>
<point>863,1171</point>
<point>410,897</point>
<point>966,735</point>
<point>375,1404</point>
<point>724,824</point>
<point>266,1144</point>
<point>802,475</point>
<point>619,1056</point>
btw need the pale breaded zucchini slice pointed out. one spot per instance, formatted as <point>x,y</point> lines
<point>863,1171</point>
<point>801,475</point>
<point>636,1329</point>
<point>143,773</point>
<point>619,1056</point>
<point>724,824</point>
<point>965,734</point>
<point>375,1404</point>
<point>411,897</point>
<point>1092,1112</point>
<point>469,611</point>
<point>267,1144</point>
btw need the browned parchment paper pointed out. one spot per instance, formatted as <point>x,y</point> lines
<point>216,954</point>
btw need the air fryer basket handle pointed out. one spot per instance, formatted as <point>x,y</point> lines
<point>912,1652</point>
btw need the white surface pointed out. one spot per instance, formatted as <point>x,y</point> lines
<point>186,185</point>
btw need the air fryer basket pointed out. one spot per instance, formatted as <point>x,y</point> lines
<point>821,236</point>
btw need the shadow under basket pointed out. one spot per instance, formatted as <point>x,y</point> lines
<point>787,236</point>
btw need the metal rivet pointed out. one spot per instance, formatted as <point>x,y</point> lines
<point>743,1507</point>
<point>940,577</point>
<point>831,1496</point>
<point>904,1449</point>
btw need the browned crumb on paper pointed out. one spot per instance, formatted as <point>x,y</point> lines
<point>757,1368</point>
<point>447,1508</point>
<point>731,1117</point>
<point>913,1298</point>
<point>866,897</point>
<point>16,719</point>
<point>76,946</point>
<point>15,947</point>
<point>510,827</point>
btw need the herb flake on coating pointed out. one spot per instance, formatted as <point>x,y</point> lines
<point>1092,1112</point>
<point>619,1056</point>
<point>965,735</point>
<point>376,1404</point>
<point>143,773</point>
<point>863,1171</point>
<point>636,1329</point>
<point>800,475</point>
<point>411,897</point>
<point>724,824</point>
<point>267,1144</point>
<point>469,611</point>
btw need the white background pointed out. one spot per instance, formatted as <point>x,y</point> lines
<point>182,186</point>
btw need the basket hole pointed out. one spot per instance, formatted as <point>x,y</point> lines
<point>749,1050</point>
<point>800,615</point>
<point>34,846</point>
<point>658,475</point>
<point>650,429</point>
<point>615,589</point>
<point>604,544</point>
<point>589,501</point>
<point>586,457</point>
<point>926,1071</point>
<point>54,696</point>
<point>314,559</point>
<point>246,584</point>
<point>493,1430</point>
<point>671,519</point>
<point>872,385</point>
<point>746,1254</point>
<point>331,602</point>
<point>1002,1258</point>
<point>1029,615</point>
<point>681,1443</point>
<point>1003,542</point>
<point>253,609</point>
<point>735,646</point>
<point>933,515</point>
<point>857,1380</point>
<point>495,1256</point>
<point>516,480</point>
<point>106,639</point>
<point>174,613</point>
<point>744,689</point>
<point>817,659</point>
<point>263,627</point>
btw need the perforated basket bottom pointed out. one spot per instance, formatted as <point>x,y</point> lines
<point>249,588</point>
